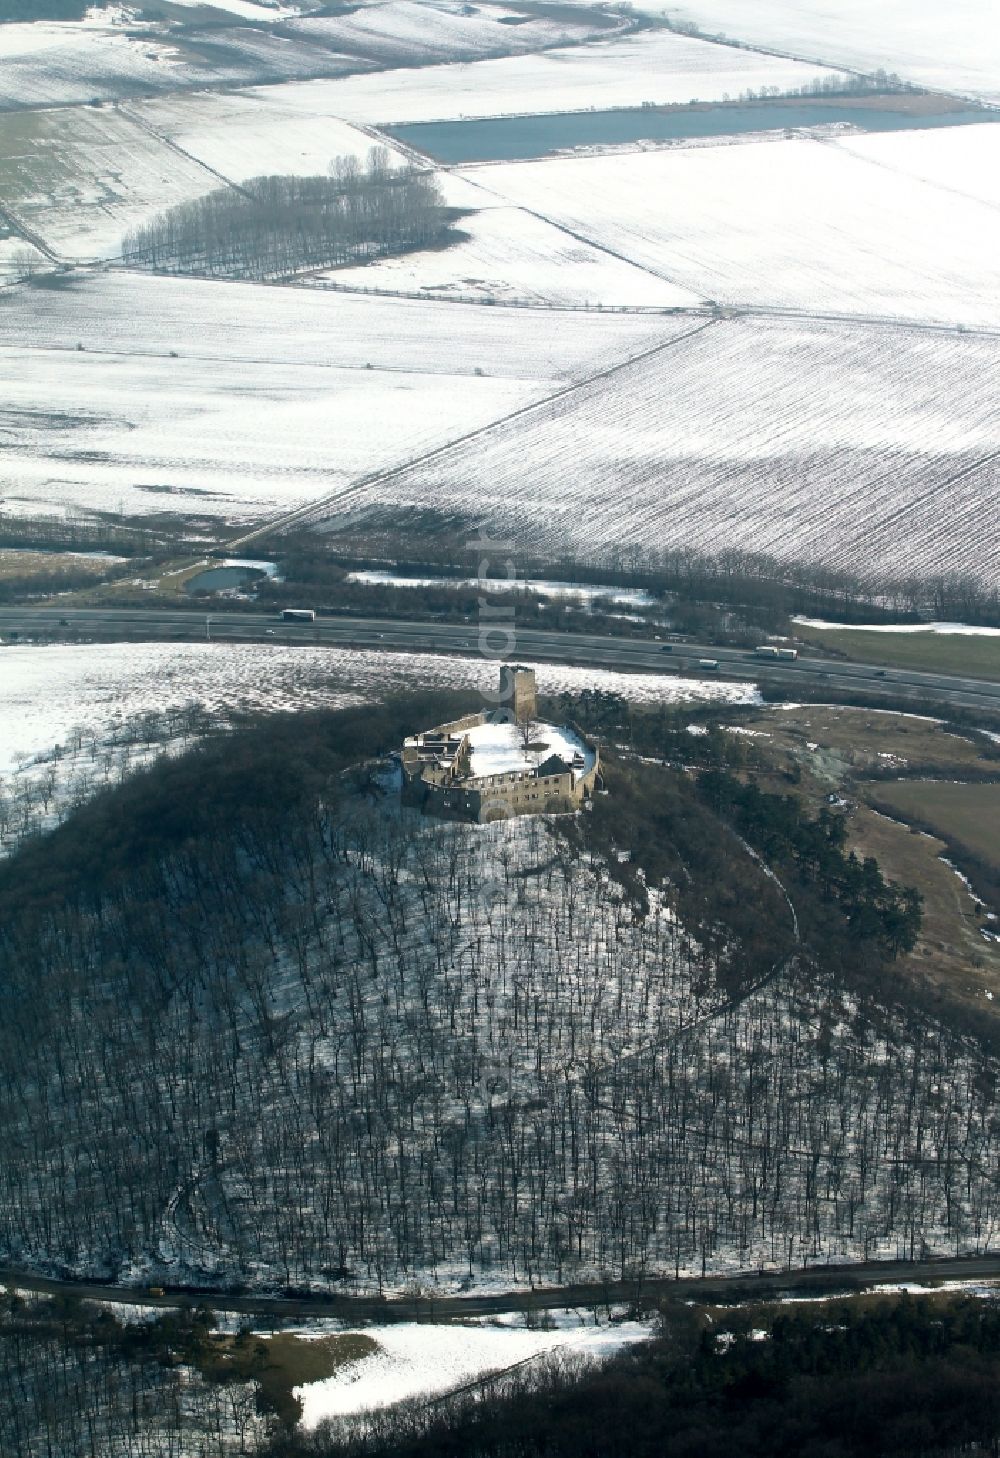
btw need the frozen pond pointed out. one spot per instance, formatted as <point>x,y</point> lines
<point>516,138</point>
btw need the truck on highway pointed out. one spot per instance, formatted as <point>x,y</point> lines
<point>768,650</point>
<point>298,615</point>
<point>708,663</point>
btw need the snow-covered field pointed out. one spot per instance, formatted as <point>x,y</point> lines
<point>233,399</point>
<point>417,1360</point>
<point>651,66</point>
<point>253,133</point>
<point>146,436</point>
<point>52,64</point>
<point>112,55</point>
<point>873,449</point>
<point>785,223</point>
<point>143,315</point>
<point>415,32</point>
<point>963,160</point>
<point>949,48</point>
<point>102,59</point>
<point>510,254</point>
<point>48,690</point>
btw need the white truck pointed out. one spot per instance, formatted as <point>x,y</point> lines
<point>708,663</point>
<point>768,650</point>
<point>298,615</point>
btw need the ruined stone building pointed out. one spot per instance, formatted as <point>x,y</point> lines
<point>500,762</point>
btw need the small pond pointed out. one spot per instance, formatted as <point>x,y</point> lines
<point>228,575</point>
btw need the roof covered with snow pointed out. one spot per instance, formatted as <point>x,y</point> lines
<point>500,749</point>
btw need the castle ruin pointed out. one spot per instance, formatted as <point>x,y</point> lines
<point>502,762</point>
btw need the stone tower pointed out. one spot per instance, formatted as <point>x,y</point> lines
<point>524,694</point>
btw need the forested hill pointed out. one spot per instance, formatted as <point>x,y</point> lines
<point>283,1033</point>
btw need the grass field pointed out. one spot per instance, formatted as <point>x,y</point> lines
<point>957,653</point>
<point>14,562</point>
<point>968,814</point>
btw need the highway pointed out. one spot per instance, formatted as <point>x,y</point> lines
<point>744,1286</point>
<point>629,655</point>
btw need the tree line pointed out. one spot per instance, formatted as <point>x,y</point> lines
<point>273,227</point>
<point>733,594</point>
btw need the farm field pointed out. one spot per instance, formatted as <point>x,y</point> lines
<point>80,177</point>
<point>233,322</point>
<point>953,49</point>
<point>956,653</point>
<point>963,160</point>
<point>852,239</point>
<point>139,436</point>
<point>19,562</point>
<point>511,254</point>
<point>51,64</point>
<point>140,394</point>
<point>869,449</point>
<point>233,400</point>
<point>966,814</point>
<point>650,66</point>
<point>67,64</point>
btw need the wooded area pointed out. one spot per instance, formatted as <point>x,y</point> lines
<point>281,1031</point>
<point>273,227</point>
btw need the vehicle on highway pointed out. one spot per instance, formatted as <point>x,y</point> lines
<point>765,650</point>
<point>708,663</point>
<point>298,615</point>
<point>667,648</point>
<point>788,653</point>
